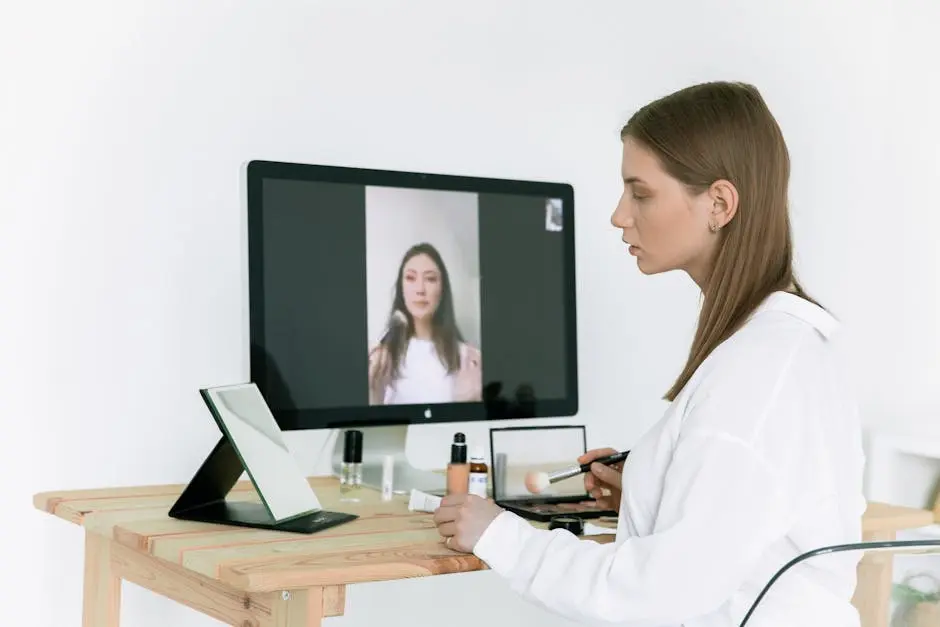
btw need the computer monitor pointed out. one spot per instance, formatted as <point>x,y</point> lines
<point>382,297</point>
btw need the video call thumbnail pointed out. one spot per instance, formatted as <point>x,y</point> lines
<point>376,295</point>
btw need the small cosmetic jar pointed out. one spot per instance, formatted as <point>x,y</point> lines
<point>572,524</point>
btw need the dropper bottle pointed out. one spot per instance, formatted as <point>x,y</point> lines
<point>458,470</point>
<point>350,481</point>
<point>479,473</point>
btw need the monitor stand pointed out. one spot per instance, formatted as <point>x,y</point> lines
<point>203,500</point>
<point>389,440</point>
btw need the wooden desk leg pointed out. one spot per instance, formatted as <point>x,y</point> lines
<point>334,601</point>
<point>297,608</point>
<point>875,578</point>
<point>102,587</point>
<point>107,564</point>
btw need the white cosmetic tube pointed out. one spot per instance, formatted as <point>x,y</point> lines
<point>423,502</point>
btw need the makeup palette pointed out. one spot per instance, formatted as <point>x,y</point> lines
<point>516,451</point>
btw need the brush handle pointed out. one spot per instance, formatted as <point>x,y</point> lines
<point>607,461</point>
<point>567,473</point>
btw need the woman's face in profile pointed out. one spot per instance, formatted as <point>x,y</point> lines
<point>421,286</point>
<point>666,228</point>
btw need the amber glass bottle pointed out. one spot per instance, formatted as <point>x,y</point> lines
<point>479,473</point>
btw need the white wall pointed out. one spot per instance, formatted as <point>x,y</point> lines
<point>396,220</point>
<point>124,124</point>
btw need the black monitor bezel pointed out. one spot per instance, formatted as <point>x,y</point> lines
<point>257,171</point>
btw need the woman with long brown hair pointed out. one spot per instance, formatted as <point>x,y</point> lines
<point>758,457</point>
<point>423,357</point>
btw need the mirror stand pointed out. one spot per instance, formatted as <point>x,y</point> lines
<point>203,499</point>
<point>251,442</point>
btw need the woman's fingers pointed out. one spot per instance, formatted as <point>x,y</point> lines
<point>593,482</point>
<point>593,454</point>
<point>606,474</point>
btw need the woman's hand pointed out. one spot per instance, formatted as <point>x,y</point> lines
<point>468,385</point>
<point>379,363</point>
<point>603,483</point>
<point>462,518</point>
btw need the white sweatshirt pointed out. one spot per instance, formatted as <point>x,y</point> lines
<point>758,460</point>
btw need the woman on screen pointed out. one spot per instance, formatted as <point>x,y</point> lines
<point>422,358</point>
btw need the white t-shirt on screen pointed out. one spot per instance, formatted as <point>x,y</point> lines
<point>423,377</point>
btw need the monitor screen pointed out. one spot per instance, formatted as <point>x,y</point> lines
<point>381,297</point>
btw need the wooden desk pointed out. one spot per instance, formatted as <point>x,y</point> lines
<point>256,578</point>
<point>246,577</point>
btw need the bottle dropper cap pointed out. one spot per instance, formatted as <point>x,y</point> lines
<point>476,455</point>
<point>352,447</point>
<point>458,450</point>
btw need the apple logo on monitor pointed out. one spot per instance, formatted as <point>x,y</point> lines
<point>427,412</point>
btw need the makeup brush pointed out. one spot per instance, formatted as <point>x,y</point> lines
<point>535,482</point>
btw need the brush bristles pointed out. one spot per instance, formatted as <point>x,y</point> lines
<point>535,482</point>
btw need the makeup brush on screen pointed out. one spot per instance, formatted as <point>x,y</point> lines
<point>397,321</point>
<point>535,482</point>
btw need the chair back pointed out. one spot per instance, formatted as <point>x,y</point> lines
<point>810,590</point>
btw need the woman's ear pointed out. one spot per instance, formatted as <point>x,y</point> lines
<point>724,197</point>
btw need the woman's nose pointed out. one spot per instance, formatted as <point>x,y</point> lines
<point>621,217</point>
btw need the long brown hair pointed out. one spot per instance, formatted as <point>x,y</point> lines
<point>725,131</point>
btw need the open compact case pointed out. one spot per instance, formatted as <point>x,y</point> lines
<point>517,451</point>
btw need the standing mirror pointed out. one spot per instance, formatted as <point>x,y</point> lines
<point>251,441</point>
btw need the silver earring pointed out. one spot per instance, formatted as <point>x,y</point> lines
<point>714,227</point>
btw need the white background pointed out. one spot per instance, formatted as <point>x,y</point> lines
<point>396,220</point>
<point>123,126</point>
